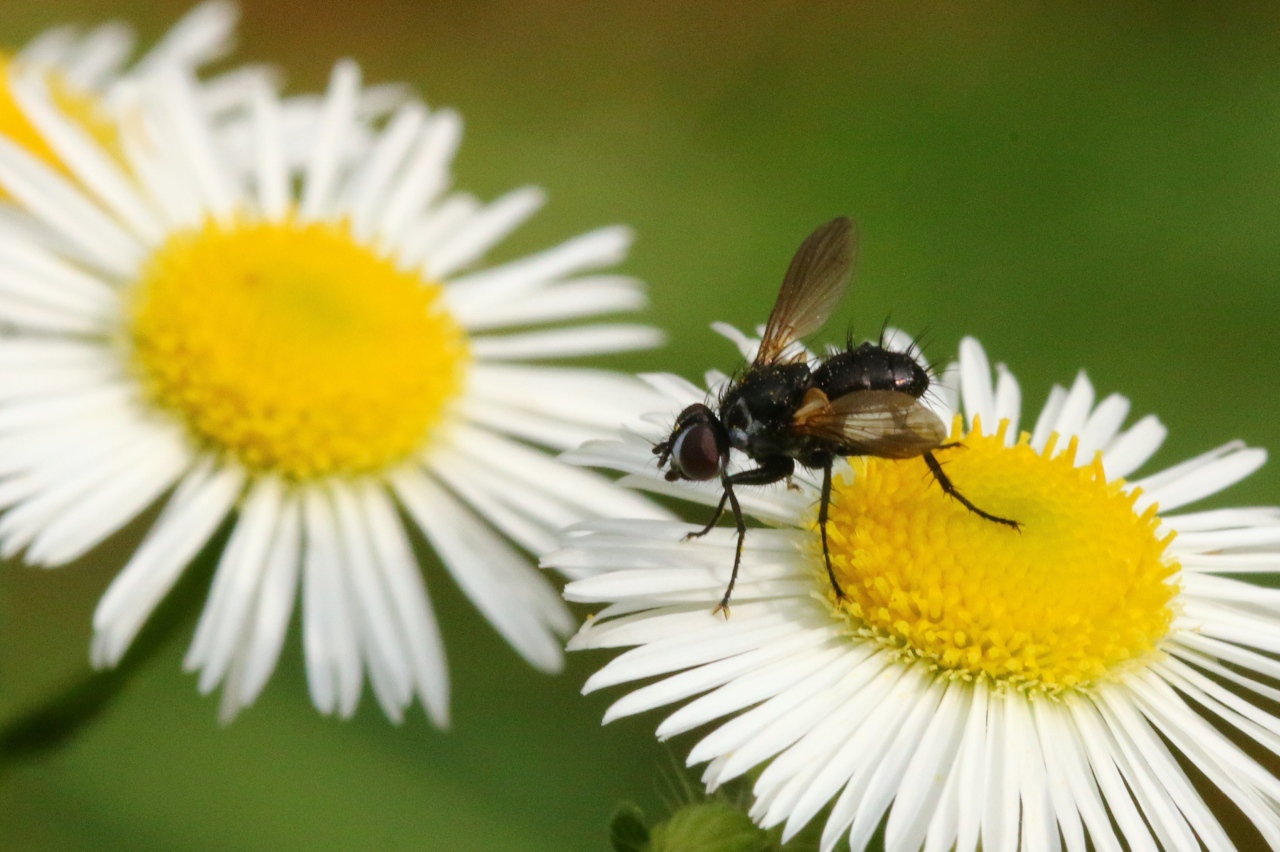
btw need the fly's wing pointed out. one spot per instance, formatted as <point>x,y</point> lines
<point>889,424</point>
<point>815,282</point>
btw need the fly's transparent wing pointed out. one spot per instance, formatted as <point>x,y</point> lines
<point>814,284</point>
<point>888,424</point>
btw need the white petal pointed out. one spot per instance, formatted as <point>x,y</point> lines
<point>1039,831</point>
<point>195,510</point>
<point>1235,774</point>
<point>99,56</point>
<point>425,175</point>
<point>773,725</point>
<point>912,710</point>
<point>53,200</point>
<point>972,765</point>
<point>1000,781</point>
<point>975,385</point>
<point>921,785</point>
<point>429,230</point>
<point>34,272</point>
<point>567,342</point>
<point>376,614</point>
<point>319,183</point>
<point>515,600</point>
<point>51,47</point>
<point>202,35</point>
<point>271,177</point>
<point>1047,422</point>
<point>1075,410</point>
<point>103,511</point>
<point>189,130</point>
<point>95,169</point>
<point>1102,426</point>
<point>1126,719</point>
<point>409,596</point>
<point>1092,735</point>
<point>1208,479</point>
<point>590,493</point>
<point>575,299</point>
<point>372,182</point>
<point>235,585</point>
<point>521,514</point>
<point>1132,448</point>
<point>593,250</point>
<point>1008,402</point>
<point>1191,465</point>
<point>328,632</point>
<point>760,674</point>
<point>484,230</point>
<point>274,607</point>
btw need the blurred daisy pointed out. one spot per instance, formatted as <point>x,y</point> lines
<point>309,358</point>
<point>985,689</point>
<point>88,71</point>
<point>90,78</point>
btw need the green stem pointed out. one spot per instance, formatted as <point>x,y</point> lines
<point>59,717</point>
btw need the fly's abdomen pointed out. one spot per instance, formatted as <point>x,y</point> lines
<point>870,367</point>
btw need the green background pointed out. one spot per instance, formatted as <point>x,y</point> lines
<point>1095,185</point>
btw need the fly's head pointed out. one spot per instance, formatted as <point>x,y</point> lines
<point>697,448</point>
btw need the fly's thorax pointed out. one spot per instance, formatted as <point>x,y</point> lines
<point>871,367</point>
<point>757,412</point>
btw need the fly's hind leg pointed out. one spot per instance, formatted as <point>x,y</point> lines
<point>823,506</point>
<point>945,483</point>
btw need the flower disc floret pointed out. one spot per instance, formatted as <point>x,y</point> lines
<point>1083,588</point>
<point>294,348</point>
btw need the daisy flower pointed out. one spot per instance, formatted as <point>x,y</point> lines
<point>309,361</point>
<point>90,70</point>
<point>91,78</point>
<point>985,688</point>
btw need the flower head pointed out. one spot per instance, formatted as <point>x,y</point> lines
<point>89,72</point>
<point>190,322</point>
<point>979,685</point>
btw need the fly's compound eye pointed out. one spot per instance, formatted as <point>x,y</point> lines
<point>697,453</point>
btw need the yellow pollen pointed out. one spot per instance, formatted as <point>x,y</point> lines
<point>73,103</point>
<point>293,348</point>
<point>1084,587</point>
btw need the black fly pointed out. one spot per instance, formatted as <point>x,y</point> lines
<point>862,401</point>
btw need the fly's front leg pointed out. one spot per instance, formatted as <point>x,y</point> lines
<point>949,488</point>
<point>714,518</point>
<point>770,470</point>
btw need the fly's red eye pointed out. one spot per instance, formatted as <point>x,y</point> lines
<point>697,453</point>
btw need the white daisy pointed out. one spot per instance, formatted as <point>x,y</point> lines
<point>312,357</point>
<point>984,687</point>
<point>91,78</point>
<point>96,62</point>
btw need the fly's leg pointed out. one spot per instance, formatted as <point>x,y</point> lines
<point>944,482</point>
<point>823,506</point>
<point>714,518</point>
<point>723,606</point>
<point>770,470</point>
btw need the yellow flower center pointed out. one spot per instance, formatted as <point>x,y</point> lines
<point>73,103</point>
<point>294,348</point>
<point>1082,589</point>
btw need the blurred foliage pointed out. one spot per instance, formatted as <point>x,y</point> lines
<point>1079,185</point>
